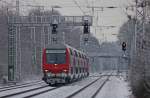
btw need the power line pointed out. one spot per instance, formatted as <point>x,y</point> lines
<point>78,6</point>
<point>4,1</point>
<point>87,2</point>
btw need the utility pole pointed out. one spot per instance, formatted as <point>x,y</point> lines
<point>18,7</point>
<point>12,47</point>
<point>139,28</point>
<point>140,40</point>
<point>17,67</point>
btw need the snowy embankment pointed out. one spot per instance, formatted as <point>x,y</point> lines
<point>116,87</point>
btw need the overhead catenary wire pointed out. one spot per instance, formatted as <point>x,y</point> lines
<point>125,7</point>
<point>3,1</point>
<point>79,6</point>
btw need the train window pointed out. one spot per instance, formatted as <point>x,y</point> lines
<point>78,62</point>
<point>79,54</point>
<point>74,62</point>
<point>71,70</point>
<point>76,70</point>
<point>82,55</point>
<point>83,69</point>
<point>71,52</point>
<point>85,58</point>
<point>75,52</point>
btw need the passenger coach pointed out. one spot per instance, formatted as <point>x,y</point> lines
<point>62,63</point>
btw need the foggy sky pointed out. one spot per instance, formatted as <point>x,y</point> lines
<point>107,17</point>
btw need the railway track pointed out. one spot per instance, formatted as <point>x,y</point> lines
<point>75,93</point>
<point>43,89</point>
<point>14,85</point>
<point>49,90</point>
<point>98,90</point>
<point>21,86</point>
<point>33,92</point>
<point>24,91</point>
<point>87,86</point>
<point>41,92</point>
<point>50,94</point>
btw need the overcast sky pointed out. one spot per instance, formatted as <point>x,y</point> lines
<point>107,17</point>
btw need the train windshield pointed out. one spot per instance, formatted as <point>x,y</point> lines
<point>56,56</point>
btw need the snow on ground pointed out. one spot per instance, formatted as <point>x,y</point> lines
<point>88,92</point>
<point>116,87</point>
<point>3,93</point>
<point>23,81</point>
<point>67,90</point>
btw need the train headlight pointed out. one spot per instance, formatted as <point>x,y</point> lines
<point>55,64</point>
<point>46,70</point>
<point>49,74</point>
<point>65,70</point>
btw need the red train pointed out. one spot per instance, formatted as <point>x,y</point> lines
<point>63,64</point>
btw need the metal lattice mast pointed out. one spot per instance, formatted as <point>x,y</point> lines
<point>11,51</point>
<point>18,7</point>
<point>12,48</point>
<point>139,26</point>
<point>140,55</point>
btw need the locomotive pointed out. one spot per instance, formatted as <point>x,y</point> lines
<point>62,63</point>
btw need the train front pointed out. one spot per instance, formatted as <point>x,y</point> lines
<point>55,65</point>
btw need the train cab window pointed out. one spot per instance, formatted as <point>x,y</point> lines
<point>56,56</point>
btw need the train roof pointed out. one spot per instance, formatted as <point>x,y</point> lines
<point>62,46</point>
<point>56,46</point>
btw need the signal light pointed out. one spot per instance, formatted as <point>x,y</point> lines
<point>54,28</point>
<point>85,39</point>
<point>124,46</point>
<point>86,27</point>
